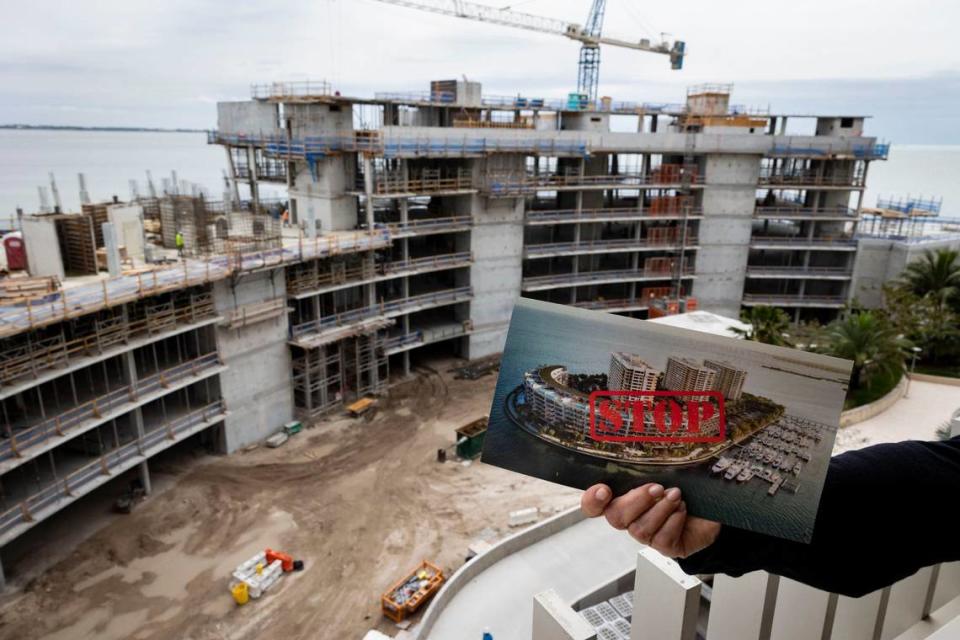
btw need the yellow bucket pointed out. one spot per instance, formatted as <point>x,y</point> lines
<point>241,593</point>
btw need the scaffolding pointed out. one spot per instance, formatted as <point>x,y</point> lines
<point>332,374</point>
<point>215,228</point>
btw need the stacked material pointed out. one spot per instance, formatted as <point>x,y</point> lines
<point>19,288</point>
<point>253,578</point>
<point>257,574</point>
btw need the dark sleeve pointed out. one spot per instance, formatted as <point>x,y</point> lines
<point>886,511</point>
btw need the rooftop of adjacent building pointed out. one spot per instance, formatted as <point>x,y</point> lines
<point>631,360</point>
<point>712,98</point>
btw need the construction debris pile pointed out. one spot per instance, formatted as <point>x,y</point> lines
<point>255,576</point>
<point>406,596</point>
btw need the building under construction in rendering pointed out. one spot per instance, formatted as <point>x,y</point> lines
<point>414,222</point>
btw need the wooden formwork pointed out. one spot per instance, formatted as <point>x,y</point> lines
<point>78,248</point>
<point>98,216</point>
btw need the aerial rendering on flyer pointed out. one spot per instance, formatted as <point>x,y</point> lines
<point>637,414</point>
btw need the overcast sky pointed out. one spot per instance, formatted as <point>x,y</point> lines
<point>131,62</point>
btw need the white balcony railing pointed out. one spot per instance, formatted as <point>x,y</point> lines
<point>667,604</point>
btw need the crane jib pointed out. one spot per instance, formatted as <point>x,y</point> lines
<point>590,34</point>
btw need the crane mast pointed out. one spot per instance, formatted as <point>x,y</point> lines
<point>590,35</point>
<point>588,76</point>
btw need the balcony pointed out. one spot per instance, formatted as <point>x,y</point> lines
<point>605,246</point>
<point>39,361</point>
<point>315,333</point>
<point>571,216</point>
<point>429,226</point>
<point>557,281</point>
<point>23,444</point>
<point>660,601</point>
<point>811,180</point>
<point>793,300</point>
<point>425,336</point>
<point>559,578</point>
<point>844,214</point>
<point>512,185</point>
<point>437,183</point>
<point>828,243</point>
<point>865,151</point>
<point>800,273</point>
<point>65,489</point>
<point>615,305</point>
<point>308,282</point>
<point>268,170</point>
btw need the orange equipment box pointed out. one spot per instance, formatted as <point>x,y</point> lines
<point>410,592</point>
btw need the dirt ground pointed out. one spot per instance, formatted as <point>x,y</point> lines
<point>360,501</point>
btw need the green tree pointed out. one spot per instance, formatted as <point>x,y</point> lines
<point>871,341</point>
<point>933,327</point>
<point>767,324</point>
<point>936,276</point>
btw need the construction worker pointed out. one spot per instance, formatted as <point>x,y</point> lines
<point>179,242</point>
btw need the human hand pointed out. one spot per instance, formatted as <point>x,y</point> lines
<point>653,516</point>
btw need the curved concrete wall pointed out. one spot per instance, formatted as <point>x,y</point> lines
<point>926,377</point>
<point>867,411</point>
<point>484,561</point>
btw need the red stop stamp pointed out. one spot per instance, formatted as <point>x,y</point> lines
<point>657,416</point>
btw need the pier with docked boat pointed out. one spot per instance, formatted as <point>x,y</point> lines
<point>776,455</point>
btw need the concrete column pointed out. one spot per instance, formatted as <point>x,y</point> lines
<point>232,172</point>
<point>368,188</point>
<point>131,376</point>
<point>144,471</point>
<point>254,186</point>
<point>112,248</point>
<point>311,222</point>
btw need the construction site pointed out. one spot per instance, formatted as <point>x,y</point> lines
<point>143,341</point>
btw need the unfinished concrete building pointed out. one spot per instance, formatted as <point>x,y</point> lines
<point>414,222</point>
<point>487,198</point>
<point>109,371</point>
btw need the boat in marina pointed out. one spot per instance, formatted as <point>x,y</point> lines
<point>721,465</point>
<point>733,471</point>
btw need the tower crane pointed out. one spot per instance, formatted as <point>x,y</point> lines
<point>589,35</point>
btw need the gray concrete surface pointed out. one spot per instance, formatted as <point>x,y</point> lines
<point>501,598</point>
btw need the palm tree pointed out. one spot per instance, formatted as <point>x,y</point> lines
<point>935,275</point>
<point>767,324</point>
<point>872,343</point>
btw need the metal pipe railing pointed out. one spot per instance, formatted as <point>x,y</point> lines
<point>66,423</point>
<point>66,488</point>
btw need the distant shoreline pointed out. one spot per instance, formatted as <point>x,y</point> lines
<point>53,127</point>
